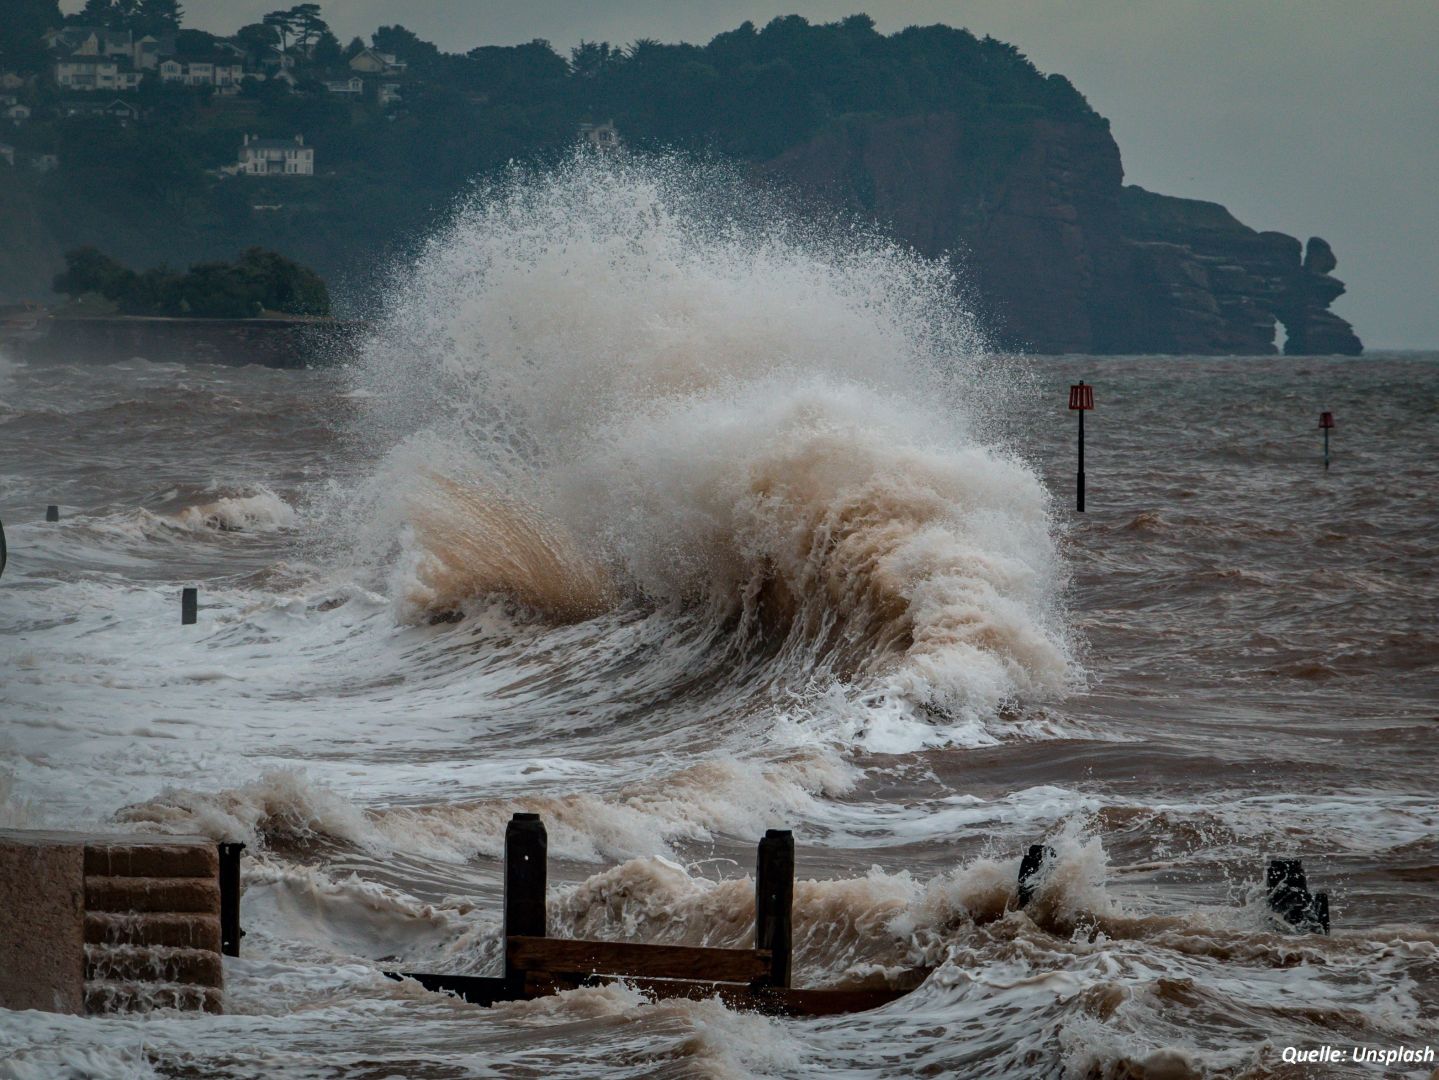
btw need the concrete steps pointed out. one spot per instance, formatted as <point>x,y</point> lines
<point>155,908</point>
<point>109,923</point>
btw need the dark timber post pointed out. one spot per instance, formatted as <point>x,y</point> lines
<point>774,902</point>
<point>526,849</point>
<point>230,932</point>
<point>189,605</point>
<point>1290,898</point>
<point>1081,400</point>
<point>52,513</point>
<point>1031,865</point>
<point>1326,421</point>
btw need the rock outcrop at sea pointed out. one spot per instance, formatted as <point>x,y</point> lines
<point>1061,255</point>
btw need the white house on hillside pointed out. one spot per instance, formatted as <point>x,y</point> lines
<point>81,71</point>
<point>276,157</point>
<point>150,50</point>
<point>600,136</point>
<point>223,71</point>
<point>370,62</point>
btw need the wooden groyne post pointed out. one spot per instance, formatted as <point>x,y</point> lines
<point>230,932</point>
<point>774,902</point>
<point>526,853</point>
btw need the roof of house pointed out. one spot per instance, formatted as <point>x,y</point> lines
<point>73,35</point>
<point>223,58</point>
<point>388,59</point>
<point>276,144</point>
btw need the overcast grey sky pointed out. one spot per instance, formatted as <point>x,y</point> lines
<point>1307,116</point>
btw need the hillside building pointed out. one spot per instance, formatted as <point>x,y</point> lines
<point>276,157</point>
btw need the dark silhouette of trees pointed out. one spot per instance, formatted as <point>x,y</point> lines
<point>141,17</point>
<point>21,27</point>
<point>259,281</point>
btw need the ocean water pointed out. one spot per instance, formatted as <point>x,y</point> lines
<point>673,517</point>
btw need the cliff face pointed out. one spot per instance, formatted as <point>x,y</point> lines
<point>1061,256</point>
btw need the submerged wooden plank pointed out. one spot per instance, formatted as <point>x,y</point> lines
<point>775,1001</point>
<point>476,989</point>
<point>536,954</point>
<point>791,1002</point>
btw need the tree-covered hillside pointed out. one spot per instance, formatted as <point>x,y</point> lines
<point>953,143</point>
<point>147,190</point>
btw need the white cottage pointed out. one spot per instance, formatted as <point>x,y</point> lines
<point>276,157</point>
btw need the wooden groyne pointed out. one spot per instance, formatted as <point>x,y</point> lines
<point>757,978</point>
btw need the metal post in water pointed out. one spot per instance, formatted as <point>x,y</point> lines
<point>1081,400</point>
<point>230,932</point>
<point>52,513</point>
<point>774,902</point>
<point>189,606</point>
<point>1326,421</point>
<point>526,850</point>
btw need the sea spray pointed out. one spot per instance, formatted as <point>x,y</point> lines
<point>641,381</point>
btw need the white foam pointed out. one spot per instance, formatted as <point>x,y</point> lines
<point>711,405</point>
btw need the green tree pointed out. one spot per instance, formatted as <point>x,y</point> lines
<point>326,51</point>
<point>282,285</point>
<point>422,56</point>
<point>308,25</point>
<point>21,27</point>
<point>95,13</point>
<point>283,24</point>
<point>260,281</point>
<point>157,17</point>
<point>87,270</point>
<point>590,59</point>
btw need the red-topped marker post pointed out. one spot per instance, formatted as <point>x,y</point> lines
<point>1326,421</point>
<point>1081,400</point>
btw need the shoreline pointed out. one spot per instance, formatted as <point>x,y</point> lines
<point>292,343</point>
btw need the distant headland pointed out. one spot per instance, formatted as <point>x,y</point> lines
<point>163,145</point>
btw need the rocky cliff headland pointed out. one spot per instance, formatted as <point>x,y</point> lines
<point>1060,254</point>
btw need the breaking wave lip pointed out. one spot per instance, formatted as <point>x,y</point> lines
<point>251,509</point>
<point>259,511</point>
<point>636,381</point>
<point>284,811</point>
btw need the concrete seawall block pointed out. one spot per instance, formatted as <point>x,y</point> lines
<point>42,893</point>
<point>92,923</point>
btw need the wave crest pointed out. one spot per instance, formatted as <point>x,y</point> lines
<point>640,381</point>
